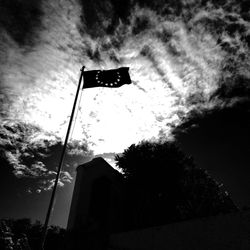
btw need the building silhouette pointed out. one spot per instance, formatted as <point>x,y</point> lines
<point>106,213</point>
<point>97,198</point>
<point>96,207</point>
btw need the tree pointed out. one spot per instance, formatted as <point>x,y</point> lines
<point>24,235</point>
<point>155,163</point>
<point>164,185</point>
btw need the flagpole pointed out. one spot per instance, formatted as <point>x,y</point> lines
<point>46,223</point>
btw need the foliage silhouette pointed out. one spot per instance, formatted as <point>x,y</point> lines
<point>27,235</point>
<point>163,185</point>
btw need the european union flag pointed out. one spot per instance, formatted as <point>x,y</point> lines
<point>113,78</point>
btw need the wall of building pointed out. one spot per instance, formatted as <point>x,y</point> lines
<point>229,232</point>
<point>95,198</point>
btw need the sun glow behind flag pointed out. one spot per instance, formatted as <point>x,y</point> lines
<point>113,78</point>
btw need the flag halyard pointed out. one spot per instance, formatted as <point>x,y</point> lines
<point>113,78</point>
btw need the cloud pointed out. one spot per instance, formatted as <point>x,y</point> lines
<point>29,150</point>
<point>36,169</point>
<point>185,58</point>
<point>48,184</point>
<point>21,19</point>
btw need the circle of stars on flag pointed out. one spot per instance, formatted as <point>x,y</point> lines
<point>113,83</point>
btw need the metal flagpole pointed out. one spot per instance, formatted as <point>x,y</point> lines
<point>45,228</point>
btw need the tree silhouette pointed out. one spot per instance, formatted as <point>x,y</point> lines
<point>164,185</point>
<point>23,234</point>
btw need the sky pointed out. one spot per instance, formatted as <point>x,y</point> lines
<point>189,66</point>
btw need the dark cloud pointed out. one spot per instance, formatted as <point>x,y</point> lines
<point>235,75</point>
<point>141,23</point>
<point>239,88</point>
<point>21,19</point>
<point>222,122</point>
<point>219,142</point>
<point>102,17</point>
<point>94,54</point>
<point>36,157</point>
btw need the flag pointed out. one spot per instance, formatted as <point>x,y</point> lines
<point>113,78</point>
